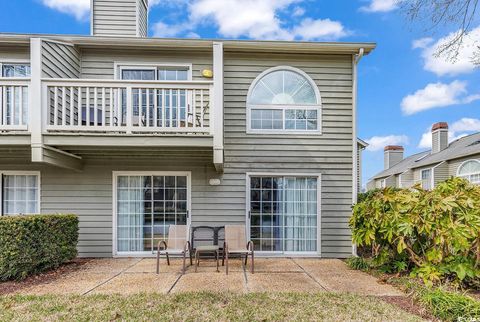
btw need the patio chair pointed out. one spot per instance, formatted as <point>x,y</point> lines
<point>236,243</point>
<point>177,244</point>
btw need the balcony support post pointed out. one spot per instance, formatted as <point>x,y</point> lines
<point>35,109</point>
<point>216,113</point>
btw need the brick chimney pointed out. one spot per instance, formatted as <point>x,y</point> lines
<point>439,137</point>
<point>393,154</point>
<point>125,18</point>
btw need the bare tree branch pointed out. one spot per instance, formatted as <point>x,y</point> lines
<point>434,14</point>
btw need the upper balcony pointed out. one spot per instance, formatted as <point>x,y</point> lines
<point>78,97</point>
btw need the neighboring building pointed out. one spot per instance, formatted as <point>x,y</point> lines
<point>133,134</point>
<point>460,158</point>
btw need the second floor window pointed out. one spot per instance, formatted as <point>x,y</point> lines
<point>15,70</point>
<point>284,99</point>
<point>161,73</point>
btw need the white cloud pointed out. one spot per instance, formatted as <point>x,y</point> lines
<point>437,95</point>
<point>422,42</point>
<point>457,130</point>
<point>442,66</point>
<point>80,9</point>
<point>164,30</point>
<point>319,29</point>
<point>255,19</point>
<point>377,143</point>
<point>298,12</point>
<point>380,6</point>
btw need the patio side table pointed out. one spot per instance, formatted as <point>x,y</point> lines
<point>206,250</point>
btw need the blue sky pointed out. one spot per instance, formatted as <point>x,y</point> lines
<point>403,87</point>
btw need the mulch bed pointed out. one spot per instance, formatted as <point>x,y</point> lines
<point>13,286</point>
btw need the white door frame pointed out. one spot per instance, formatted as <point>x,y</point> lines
<point>115,175</point>
<point>318,253</point>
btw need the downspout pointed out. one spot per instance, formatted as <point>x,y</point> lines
<point>355,60</point>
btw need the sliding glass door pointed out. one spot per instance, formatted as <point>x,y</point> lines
<point>284,213</point>
<point>146,205</point>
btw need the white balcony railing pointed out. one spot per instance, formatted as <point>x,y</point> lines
<point>14,104</point>
<point>126,106</point>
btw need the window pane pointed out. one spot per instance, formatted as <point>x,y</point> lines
<point>283,87</point>
<point>20,194</point>
<point>15,70</point>
<point>285,219</point>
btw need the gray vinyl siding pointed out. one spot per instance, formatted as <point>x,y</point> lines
<point>142,19</point>
<point>330,154</point>
<point>88,194</point>
<point>390,182</point>
<point>453,165</point>
<point>407,179</point>
<point>440,173</point>
<point>115,17</point>
<point>359,170</point>
<point>99,64</point>
<point>10,53</point>
<point>60,61</point>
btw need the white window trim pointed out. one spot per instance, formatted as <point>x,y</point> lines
<point>21,173</point>
<point>120,65</point>
<point>317,106</point>
<point>115,175</point>
<point>467,174</point>
<point>13,61</point>
<point>318,253</point>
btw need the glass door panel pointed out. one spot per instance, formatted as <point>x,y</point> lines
<point>283,214</point>
<point>146,207</point>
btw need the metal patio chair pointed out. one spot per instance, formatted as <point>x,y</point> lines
<point>236,243</point>
<point>177,244</point>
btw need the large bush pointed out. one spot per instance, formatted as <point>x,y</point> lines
<point>35,243</point>
<point>434,234</point>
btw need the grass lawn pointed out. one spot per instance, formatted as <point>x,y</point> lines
<point>201,307</point>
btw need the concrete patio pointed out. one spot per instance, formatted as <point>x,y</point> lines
<point>137,275</point>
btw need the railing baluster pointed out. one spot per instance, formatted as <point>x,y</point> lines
<point>170,106</point>
<point>147,93</point>
<point>87,112</point>
<point>12,106</point>
<point>111,107</point>
<point>80,106</point>
<point>164,113</point>
<point>201,108</point>
<point>95,106</point>
<point>20,105</point>
<point>55,106</point>
<point>103,106</point>
<point>194,108</point>
<point>64,106</point>
<point>129,98</point>
<point>2,105</point>
<point>155,107</point>
<point>72,104</point>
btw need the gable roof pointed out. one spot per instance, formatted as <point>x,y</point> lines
<point>459,148</point>
<point>402,166</point>
<point>464,146</point>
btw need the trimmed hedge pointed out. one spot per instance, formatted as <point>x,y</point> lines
<point>35,243</point>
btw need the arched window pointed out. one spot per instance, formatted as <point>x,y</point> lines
<point>470,170</point>
<point>283,99</point>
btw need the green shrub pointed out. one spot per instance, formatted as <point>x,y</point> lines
<point>434,234</point>
<point>35,243</point>
<point>446,305</point>
<point>358,263</point>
